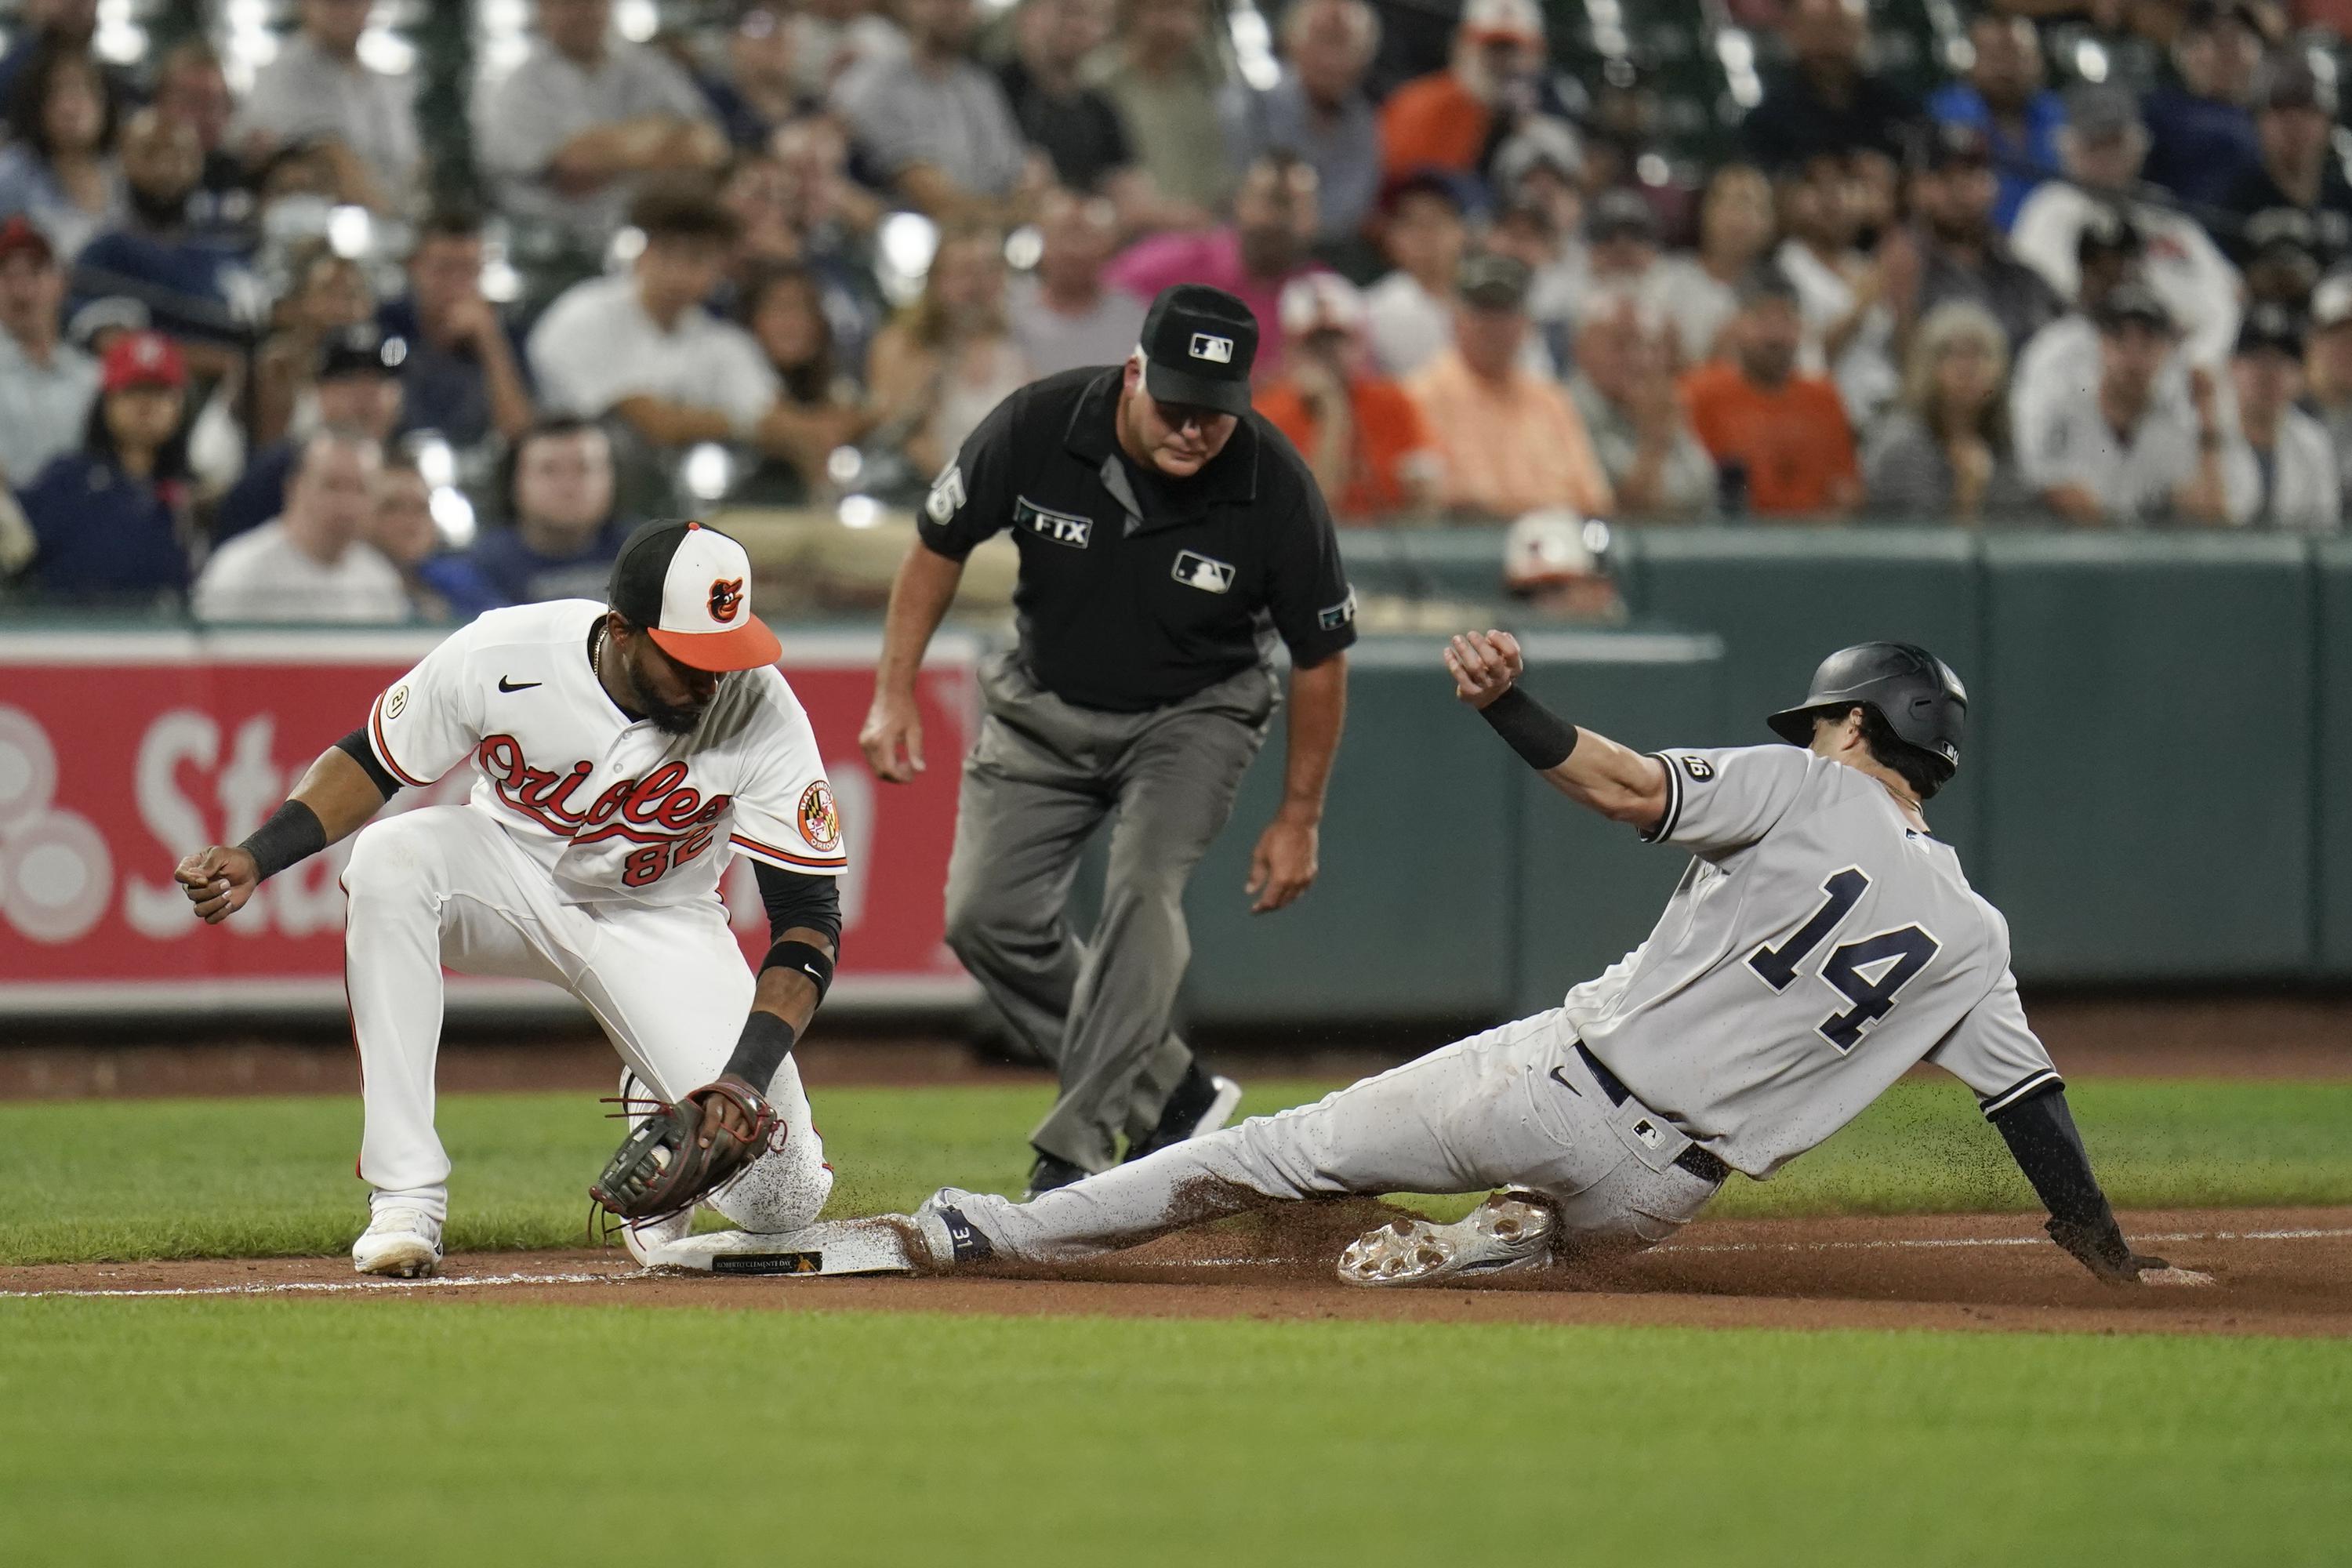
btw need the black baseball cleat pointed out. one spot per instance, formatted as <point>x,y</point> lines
<point>1052,1170</point>
<point>1201,1103</point>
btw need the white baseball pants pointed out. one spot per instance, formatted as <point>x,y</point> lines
<point>446,886</point>
<point>1515,1107</point>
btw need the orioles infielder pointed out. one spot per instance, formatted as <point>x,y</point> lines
<point>1821,942</point>
<point>622,755</point>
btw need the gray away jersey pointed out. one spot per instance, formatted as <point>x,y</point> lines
<point>1816,948</point>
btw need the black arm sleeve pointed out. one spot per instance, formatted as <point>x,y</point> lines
<point>356,746</point>
<point>797,899</point>
<point>2042,1137</point>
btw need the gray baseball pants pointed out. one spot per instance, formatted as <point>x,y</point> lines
<point>1042,777</point>
<point>1515,1107</point>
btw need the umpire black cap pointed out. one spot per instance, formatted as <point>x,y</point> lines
<point>1197,345</point>
<point>1915,692</point>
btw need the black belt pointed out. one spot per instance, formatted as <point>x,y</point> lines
<point>1705,1166</point>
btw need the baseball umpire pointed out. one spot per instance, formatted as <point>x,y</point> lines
<point>1167,535</point>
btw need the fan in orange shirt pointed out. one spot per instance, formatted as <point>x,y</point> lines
<point>1446,119</point>
<point>1786,434</point>
<point>1362,437</point>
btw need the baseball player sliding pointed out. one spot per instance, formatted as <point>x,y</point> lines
<point>1821,942</point>
<point>622,755</point>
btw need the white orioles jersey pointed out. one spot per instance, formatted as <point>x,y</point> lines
<point>617,811</point>
<point>1816,949</point>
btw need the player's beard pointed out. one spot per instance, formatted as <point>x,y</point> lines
<point>669,719</point>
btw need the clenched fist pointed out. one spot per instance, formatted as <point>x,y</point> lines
<point>1484,665</point>
<point>218,880</point>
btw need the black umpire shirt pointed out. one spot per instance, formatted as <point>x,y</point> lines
<point>1136,590</point>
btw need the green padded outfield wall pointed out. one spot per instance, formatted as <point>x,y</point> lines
<point>1419,910</point>
<point>1781,598</point>
<point>2147,754</point>
<point>2331,775</point>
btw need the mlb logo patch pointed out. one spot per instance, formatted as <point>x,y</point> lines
<point>1205,572</point>
<point>1339,614</point>
<point>1214,349</point>
<point>1648,1133</point>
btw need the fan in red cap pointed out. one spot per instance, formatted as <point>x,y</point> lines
<point>142,359</point>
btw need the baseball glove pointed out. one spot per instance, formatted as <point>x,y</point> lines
<point>681,1154</point>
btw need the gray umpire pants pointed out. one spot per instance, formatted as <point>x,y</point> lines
<point>1042,777</point>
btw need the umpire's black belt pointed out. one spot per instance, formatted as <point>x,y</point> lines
<point>1694,1159</point>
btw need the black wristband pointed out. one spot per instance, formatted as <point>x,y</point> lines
<point>1541,737</point>
<point>293,833</point>
<point>761,1048</point>
<point>802,958</point>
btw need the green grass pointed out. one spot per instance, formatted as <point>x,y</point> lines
<point>243,1432</point>
<point>143,1179</point>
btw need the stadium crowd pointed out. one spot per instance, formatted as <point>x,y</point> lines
<point>290,349</point>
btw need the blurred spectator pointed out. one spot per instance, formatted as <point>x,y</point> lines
<point>1063,314</point>
<point>1945,453</point>
<point>47,385</point>
<point>318,89</point>
<point>640,346</point>
<point>1780,440</point>
<point>1538,174</point>
<point>818,409</point>
<point>1510,441</point>
<point>943,364</point>
<point>1698,293</point>
<point>835,41</point>
<point>2103,147</point>
<point>2300,171</point>
<point>936,125</point>
<point>196,287</point>
<point>1849,321</point>
<point>1264,248</point>
<point>111,517</point>
<point>1624,392</point>
<point>1074,125</point>
<point>191,88</point>
<point>356,388</point>
<point>562,537</point>
<point>1826,102</point>
<point>1453,118</point>
<point>1527,231</point>
<point>1424,229</point>
<point>1319,110</point>
<point>2201,132</point>
<point>2279,454</point>
<point>2004,98</point>
<point>568,137</point>
<point>2120,452</point>
<point>1963,256</point>
<point>758,190</point>
<point>463,375</point>
<point>49,26</point>
<point>759,89</point>
<point>313,563</point>
<point>58,168</point>
<point>1167,79</point>
<point>832,218</point>
<point>327,295</point>
<point>1622,235</point>
<point>440,586</point>
<point>1361,433</point>
<point>2327,368</point>
<point>2282,263</point>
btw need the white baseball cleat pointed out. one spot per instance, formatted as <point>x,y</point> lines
<point>830,1247</point>
<point>400,1241</point>
<point>1501,1235</point>
<point>948,1239</point>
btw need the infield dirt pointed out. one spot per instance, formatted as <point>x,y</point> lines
<point>2277,1272</point>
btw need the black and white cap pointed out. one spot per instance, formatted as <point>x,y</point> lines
<point>690,587</point>
<point>1199,343</point>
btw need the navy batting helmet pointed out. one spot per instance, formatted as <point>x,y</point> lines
<point>1915,692</point>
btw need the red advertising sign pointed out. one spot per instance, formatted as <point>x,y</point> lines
<point>119,753</point>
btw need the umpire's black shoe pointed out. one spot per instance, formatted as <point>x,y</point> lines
<point>1052,1170</point>
<point>1203,1103</point>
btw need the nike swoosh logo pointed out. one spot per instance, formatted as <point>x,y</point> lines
<point>506,685</point>
<point>1563,1083</point>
